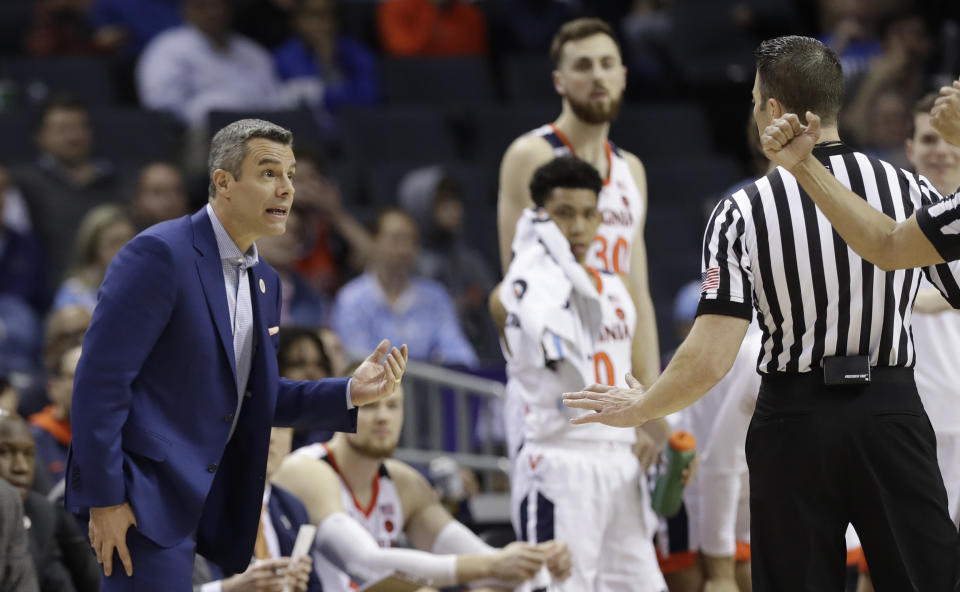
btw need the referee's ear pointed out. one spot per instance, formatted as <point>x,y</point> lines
<point>775,107</point>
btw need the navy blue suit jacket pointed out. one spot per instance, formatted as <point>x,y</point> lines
<point>155,393</point>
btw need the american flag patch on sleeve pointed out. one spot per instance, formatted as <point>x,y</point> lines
<point>710,279</point>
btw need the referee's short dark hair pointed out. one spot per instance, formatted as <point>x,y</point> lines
<point>567,172</point>
<point>803,74</point>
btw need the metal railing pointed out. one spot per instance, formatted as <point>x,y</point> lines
<point>424,406</point>
<point>433,395</point>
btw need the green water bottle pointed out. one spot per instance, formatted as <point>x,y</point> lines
<point>668,492</point>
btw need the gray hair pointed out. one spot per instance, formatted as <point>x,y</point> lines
<point>229,145</point>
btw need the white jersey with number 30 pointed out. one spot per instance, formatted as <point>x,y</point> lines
<point>620,205</point>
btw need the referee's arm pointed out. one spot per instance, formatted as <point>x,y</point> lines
<point>917,242</point>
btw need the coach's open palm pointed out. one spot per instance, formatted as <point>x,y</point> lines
<point>378,375</point>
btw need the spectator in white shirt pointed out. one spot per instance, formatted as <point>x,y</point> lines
<point>204,65</point>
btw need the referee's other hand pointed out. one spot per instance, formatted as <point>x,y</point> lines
<point>945,115</point>
<point>617,407</point>
<point>787,142</point>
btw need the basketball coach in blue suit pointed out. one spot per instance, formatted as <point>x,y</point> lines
<point>177,386</point>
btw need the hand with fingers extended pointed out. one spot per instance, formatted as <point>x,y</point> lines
<point>108,532</point>
<point>559,561</point>
<point>269,575</point>
<point>517,562</point>
<point>945,115</point>
<point>787,142</point>
<point>613,406</point>
<point>378,375</point>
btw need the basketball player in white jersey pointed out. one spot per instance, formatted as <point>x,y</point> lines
<point>566,324</point>
<point>590,78</point>
<point>363,501</point>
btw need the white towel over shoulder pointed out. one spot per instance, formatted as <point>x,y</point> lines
<point>548,296</point>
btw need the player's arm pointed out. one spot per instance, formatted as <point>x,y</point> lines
<point>522,158</point>
<point>429,527</point>
<point>704,357</point>
<point>646,347</point>
<point>871,233</point>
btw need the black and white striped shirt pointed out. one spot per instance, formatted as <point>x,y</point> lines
<point>768,246</point>
<point>941,223</point>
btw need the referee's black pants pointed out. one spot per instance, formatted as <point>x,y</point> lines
<point>821,457</point>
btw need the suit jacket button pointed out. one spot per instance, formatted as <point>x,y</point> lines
<point>212,468</point>
<point>248,394</point>
<point>228,418</point>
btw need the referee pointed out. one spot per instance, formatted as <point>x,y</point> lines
<point>839,434</point>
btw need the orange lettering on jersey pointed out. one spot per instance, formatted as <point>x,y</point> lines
<point>535,460</point>
<point>602,358</point>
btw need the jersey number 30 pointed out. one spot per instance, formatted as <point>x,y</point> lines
<point>618,255</point>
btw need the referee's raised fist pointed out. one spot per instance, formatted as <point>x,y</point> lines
<point>787,142</point>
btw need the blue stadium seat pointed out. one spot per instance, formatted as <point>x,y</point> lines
<point>120,134</point>
<point>674,129</point>
<point>413,134</point>
<point>86,78</point>
<point>495,126</point>
<point>16,138</point>
<point>528,77</point>
<point>689,181</point>
<point>436,81</point>
<point>136,135</point>
<point>15,17</point>
<point>302,122</point>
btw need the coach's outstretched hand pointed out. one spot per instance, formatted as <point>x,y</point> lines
<point>787,142</point>
<point>945,115</point>
<point>617,407</point>
<point>378,376</point>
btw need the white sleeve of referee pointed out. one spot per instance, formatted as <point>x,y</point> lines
<point>727,287</point>
<point>349,546</point>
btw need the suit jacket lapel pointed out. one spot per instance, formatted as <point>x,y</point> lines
<point>211,277</point>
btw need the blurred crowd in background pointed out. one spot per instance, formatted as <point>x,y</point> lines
<point>401,111</point>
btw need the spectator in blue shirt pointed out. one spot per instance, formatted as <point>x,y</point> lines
<point>389,301</point>
<point>330,69</point>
